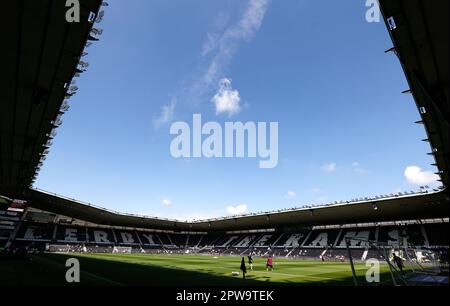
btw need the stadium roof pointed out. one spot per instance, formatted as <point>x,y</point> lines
<point>396,208</point>
<point>41,59</point>
<point>420,32</point>
<point>40,53</point>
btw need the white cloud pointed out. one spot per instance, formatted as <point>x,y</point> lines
<point>211,43</point>
<point>166,115</point>
<point>330,167</point>
<point>357,167</point>
<point>290,195</point>
<point>166,202</point>
<point>251,21</point>
<point>316,190</point>
<point>226,100</point>
<point>222,46</point>
<point>415,176</point>
<point>237,210</point>
<point>213,37</point>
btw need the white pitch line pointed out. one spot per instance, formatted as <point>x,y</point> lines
<point>294,275</point>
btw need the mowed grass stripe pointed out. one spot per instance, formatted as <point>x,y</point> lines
<point>285,269</point>
<point>203,270</point>
<point>228,262</point>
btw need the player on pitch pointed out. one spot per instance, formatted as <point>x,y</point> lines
<point>243,268</point>
<point>250,262</point>
<point>269,263</point>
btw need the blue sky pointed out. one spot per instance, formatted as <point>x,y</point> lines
<point>315,67</point>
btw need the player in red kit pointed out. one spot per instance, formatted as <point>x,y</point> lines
<point>269,264</point>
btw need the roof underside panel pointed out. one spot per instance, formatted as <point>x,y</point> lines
<point>426,206</point>
<point>420,33</point>
<point>40,54</point>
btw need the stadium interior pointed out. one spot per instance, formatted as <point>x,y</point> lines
<point>44,55</point>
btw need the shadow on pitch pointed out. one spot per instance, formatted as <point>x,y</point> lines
<point>49,270</point>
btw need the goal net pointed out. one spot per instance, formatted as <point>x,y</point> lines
<point>121,249</point>
<point>383,264</point>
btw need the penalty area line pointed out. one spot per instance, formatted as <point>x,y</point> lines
<point>294,275</point>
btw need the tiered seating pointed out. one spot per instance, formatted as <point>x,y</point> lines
<point>415,235</point>
<point>304,244</point>
<point>209,240</point>
<point>194,240</point>
<point>394,236</point>
<point>226,240</point>
<point>165,239</point>
<point>32,231</point>
<point>266,240</point>
<point>437,234</point>
<point>70,234</point>
<point>101,236</point>
<point>322,238</point>
<point>246,241</point>
<point>128,238</point>
<point>356,237</point>
<point>149,239</point>
<point>8,222</point>
<point>282,240</point>
<point>179,240</point>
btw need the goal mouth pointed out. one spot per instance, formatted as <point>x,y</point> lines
<point>122,250</point>
<point>398,265</point>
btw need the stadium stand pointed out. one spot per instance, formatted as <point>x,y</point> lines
<point>414,221</point>
<point>8,222</point>
<point>316,242</point>
<point>440,234</point>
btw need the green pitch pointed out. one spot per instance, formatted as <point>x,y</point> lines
<point>177,270</point>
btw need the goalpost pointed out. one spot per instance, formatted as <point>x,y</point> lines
<point>407,264</point>
<point>122,249</point>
